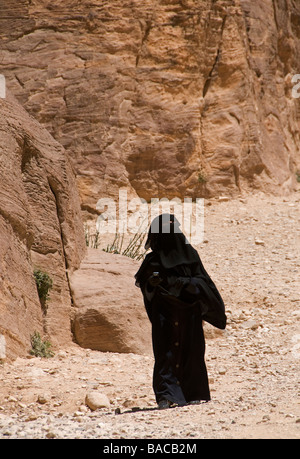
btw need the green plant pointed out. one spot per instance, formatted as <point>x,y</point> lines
<point>202,178</point>
<point>44,283</point>
<point>298,176</point>
<point>133,248</point>
<point>40,348</point>
<point>91,239</point>
<point>116,246</point>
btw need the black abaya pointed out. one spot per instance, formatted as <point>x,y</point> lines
<point>177,298</point>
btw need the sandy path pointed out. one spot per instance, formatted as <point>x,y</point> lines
<point>252,252</point>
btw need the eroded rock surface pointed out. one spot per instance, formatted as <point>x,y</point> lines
<point>168,98</point>
<point>41,227</point>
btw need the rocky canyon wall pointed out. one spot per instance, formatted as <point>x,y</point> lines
<point>40,228</point>
<point>164,97</point>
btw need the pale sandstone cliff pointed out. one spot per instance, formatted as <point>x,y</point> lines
<point>40,227</point>
<point>167,97</point>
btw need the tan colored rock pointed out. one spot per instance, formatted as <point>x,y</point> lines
<point>96,400</point>
<point>40,227</point>
<point>109,311</point>
<point>168,98</point>
<point>43,398</point>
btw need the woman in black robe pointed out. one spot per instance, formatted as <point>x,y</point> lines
<point>178,294</point>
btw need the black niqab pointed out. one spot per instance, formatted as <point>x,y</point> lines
<point>178,294</point>
<point>180,263</point>
<point>166,239</point>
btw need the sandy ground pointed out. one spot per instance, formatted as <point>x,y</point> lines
<point>251,250</point>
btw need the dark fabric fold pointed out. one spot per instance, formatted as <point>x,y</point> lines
<point>178,294</point>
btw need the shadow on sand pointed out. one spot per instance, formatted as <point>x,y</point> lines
<point>155,408</point>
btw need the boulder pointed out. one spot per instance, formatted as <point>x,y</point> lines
<point>96,400</point>
<point>109,313</point>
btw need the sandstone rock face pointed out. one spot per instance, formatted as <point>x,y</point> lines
<point>40,227</point>
<point>109,313</point>
<point>168,98</point>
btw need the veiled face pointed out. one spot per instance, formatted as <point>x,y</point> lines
<point>164,224</point>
